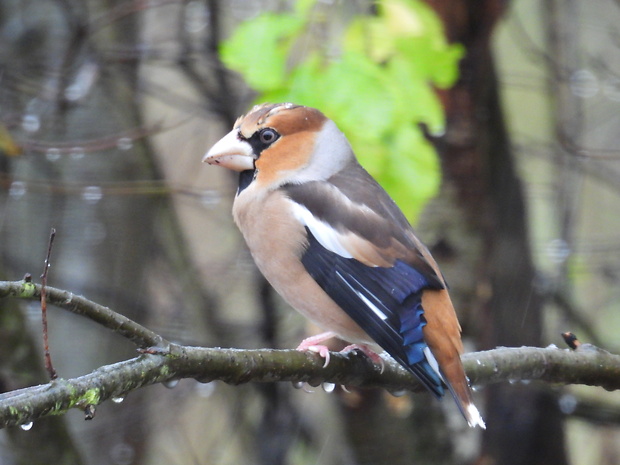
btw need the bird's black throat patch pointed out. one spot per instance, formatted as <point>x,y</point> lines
<point>245,179</point>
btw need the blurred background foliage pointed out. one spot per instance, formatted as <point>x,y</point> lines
<point>376,76</point>
<point>106,109</point>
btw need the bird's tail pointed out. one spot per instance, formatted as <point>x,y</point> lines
<point>454,376</point>
<point>443,336</point>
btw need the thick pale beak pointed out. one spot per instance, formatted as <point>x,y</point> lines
<point>231,152</point>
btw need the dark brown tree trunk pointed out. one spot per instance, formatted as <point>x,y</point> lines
<point>524,425</point>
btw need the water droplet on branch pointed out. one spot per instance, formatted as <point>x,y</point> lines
<point>124,143</point>
<point>27,426</point>
<point>31,123</point>
<point>328,387</point>
<point>171,383</point>
<point>76,153</point>
<point>17,189</point>
<point>53,154</point>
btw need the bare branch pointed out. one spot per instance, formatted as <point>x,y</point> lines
<point>165,361</point>
<point>588,365</point>
<point>106,317</point>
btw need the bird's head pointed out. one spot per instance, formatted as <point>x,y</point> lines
<point>283,143</point>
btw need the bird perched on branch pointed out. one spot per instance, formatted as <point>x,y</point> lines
<point>333,243</point>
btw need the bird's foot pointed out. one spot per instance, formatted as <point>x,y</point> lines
<point>313,344</point>
<point>323,352</point>
<point>371,354</point>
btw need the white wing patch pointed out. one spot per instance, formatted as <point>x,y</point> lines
<point>327,236</point>
<point>432,361</point>
<point>368,303</point>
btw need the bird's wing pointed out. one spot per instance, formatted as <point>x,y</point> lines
<point>363,254</point>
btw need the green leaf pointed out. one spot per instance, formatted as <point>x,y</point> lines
<point>259,49</point>
<point>413,174</point>
<point>358,91</point>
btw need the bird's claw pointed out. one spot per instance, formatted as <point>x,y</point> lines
<point>372,355</point>
<point>312,344</point>
<point>323,352</point>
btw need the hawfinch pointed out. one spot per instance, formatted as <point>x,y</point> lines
<point>333,243</point>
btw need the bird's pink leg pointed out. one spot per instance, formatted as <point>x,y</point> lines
<point>313,344</point>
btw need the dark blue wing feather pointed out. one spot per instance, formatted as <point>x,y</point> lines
<point>384,302</point>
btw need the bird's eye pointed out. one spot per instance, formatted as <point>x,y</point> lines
<point>268,136</point>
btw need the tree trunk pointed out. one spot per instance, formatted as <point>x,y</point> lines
<point>524,424</point>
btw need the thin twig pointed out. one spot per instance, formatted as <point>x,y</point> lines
<point>46,349</point>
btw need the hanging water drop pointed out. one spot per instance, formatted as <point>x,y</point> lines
<point>92,194</point>
<point>568,403</point>
<point>171,383</point>
<point>124,143</point>
<point>303,386</point>
<point>205,389</point>
<point>76,153</point>
<point>52,154</point>
<point>89,412</point>
<point>27,426</point>
<point>118,399</point>
<point>328,387</point>
<point>31,123</point>
<point>17,189</point>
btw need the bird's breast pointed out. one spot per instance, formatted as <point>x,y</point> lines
<point>277,240</point>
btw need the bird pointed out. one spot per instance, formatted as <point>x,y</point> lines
<point>338,249</point>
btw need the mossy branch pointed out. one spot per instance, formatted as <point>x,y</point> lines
<point>166,361</point>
